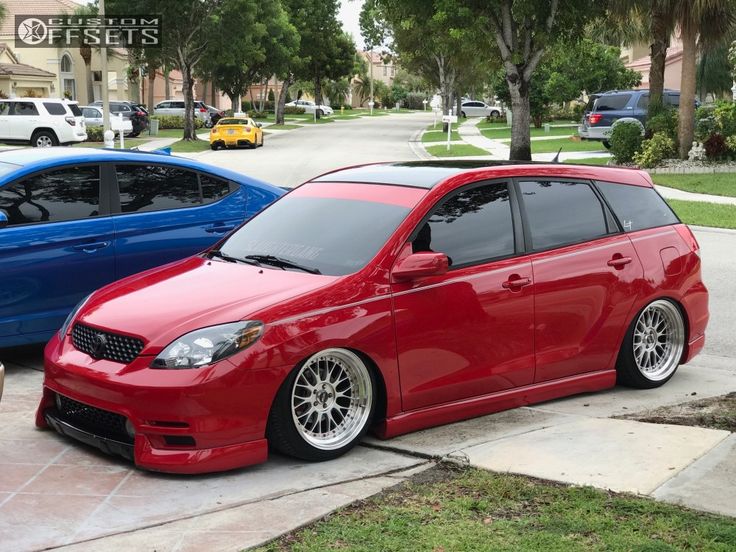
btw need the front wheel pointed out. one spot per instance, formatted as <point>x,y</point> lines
<point>653,346</point>
<point>324,408</point>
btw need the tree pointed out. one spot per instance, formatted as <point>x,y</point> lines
<point>701,22</point>
<point>714,71</point>
<point>522,31</point>
<point>374,33</point>
<point>189,26</point>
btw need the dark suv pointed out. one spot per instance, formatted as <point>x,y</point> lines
<point>136,113</point>
<point>604,110</point>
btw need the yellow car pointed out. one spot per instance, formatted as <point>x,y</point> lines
<point>237,132</point>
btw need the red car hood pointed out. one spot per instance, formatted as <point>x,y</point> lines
<point>162,304</point>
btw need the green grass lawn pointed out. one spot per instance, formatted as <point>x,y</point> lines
<point>171,133</point>
<point>439,136</point>
<point>458,150</point>
<point>472,510</point>
<point>183,146</point>
<point>589,161</point>
<point>722,184</point>
<point>548,146</point>
<point>701,213</point>
<point>499,133</point>
<point>501,123</point>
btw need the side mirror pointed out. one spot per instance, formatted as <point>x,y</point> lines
<point>3,219</point>
<point>418,265</point>
<point>259,125</point>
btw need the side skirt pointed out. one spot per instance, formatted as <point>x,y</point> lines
<point>406,422</point>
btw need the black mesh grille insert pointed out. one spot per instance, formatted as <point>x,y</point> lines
<point>110,346</point>
<point>94,420</point>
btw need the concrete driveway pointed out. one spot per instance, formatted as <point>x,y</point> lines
<point>56,493</point>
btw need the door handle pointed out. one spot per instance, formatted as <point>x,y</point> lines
<point>619,262</point>
<point>516,282</point>
<point>91,247</point>
<point>219,229</point>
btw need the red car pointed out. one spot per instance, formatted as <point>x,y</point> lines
<point>393,297</point>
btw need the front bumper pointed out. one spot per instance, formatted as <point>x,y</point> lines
<point>183,421</point>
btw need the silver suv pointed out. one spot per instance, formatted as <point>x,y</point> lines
<point>176,108</point>
<point>41,122</point>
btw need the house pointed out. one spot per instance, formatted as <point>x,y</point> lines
<point>55,71</point>
<point>636,57</point>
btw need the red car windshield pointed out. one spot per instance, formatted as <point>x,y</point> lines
<point>335,235</point>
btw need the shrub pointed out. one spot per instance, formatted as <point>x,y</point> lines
<point>625,141</point>
<point>271,98</point>
<point>705,123</point>
<point>715,146</point>
<point>731,144</point>
<point>293,110</point>
<point>258,114</point>
<point>414,100</point>
<point>665,121</point>
<point>174,121</point>
<point>345,106</point>
<point>725,118</point>
<point>95,134</point>
<point>653,151</point>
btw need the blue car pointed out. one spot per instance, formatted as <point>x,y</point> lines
<point>73,220</point>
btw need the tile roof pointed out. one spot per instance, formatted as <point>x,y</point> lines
<point>21,69</point>
<point>37,7</point>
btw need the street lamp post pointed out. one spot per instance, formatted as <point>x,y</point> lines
<point>372,102</point>
<point>103,63</point>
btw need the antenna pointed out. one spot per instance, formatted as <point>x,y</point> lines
<point>557,157</point>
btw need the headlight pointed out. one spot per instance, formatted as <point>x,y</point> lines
<point>208,345</point>
<point>65,326</point>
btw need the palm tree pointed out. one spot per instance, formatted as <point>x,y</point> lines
<point>701,22</point>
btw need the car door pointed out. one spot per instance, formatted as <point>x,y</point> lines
<point>56,248</point>
<point>586,275</point>
<point>6,132</point>
<point>25,120</point>
<point>165,213</point>
<point>92,116</point>
<point>468,332</point>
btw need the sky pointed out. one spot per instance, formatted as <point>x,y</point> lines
<point>349,13</point>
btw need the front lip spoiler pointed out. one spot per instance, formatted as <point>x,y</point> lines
<point>108,446</point>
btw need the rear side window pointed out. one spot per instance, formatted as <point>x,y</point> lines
<point>672,99</point>
<point>54,108</point>
<point>561,213</point>
<point>4,108</point>
<point>75,110</point>
<point>213,188</point>
<point>25,108</point>
<point>156,188</point>
<point>637,207</point>
<point>472,226</point>
<point>643,102</point>
<point>68,194</point>
<point>612,102</point>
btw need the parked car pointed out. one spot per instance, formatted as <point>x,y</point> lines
<point>236,132</point>
<point>607,109</point>
<point>393,297</point>
<point>137,115</point>
<point>93,119</point>
<point>310,107</point>
<point>73,220</point>
<point>41,122</point>
<point>476,108</point>
<point>176,108</point>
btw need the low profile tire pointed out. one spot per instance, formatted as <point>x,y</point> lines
<point>44,139</point>
<point>134,134</point>
<point>324,408</point>
<point>653,346</point>
<point>213,147</point>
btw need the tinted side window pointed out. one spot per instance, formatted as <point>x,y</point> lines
<point>637,207</point>
<point>643,102</point>
<point>4,108</point>
<point>213,188</point>
<point>67,194</point>
<point>54,108</point>
<point>177,105</point>
<point>613,102</point>
<point>560,213</point>
<point>25,108</point>
<point>672,99</point>
<point>471,226</point>
<point>155,188</point>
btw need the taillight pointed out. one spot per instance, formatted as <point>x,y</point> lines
<point>594,118</point>
<point>71,120</point>
<point>202,110</point>
<point>688,237</point>
<point>248,129</point>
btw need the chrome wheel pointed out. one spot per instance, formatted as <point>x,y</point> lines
<point>659,338</point>
<point>331,400</point>
<point>44,141</point>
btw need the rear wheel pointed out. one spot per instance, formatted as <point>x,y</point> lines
<point>44,139</point>
<point>653,346</point>
<point>495,115</point>
<point>324,407</point>
<point>606,144</point>
<point>463,115</point>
